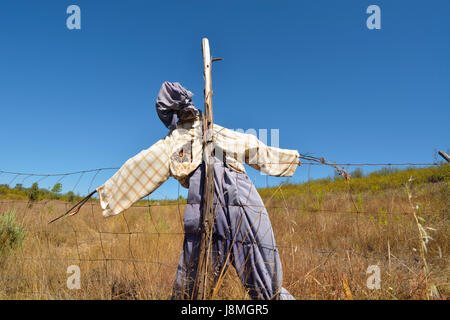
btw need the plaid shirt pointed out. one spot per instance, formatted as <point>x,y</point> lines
<point>180,153</point>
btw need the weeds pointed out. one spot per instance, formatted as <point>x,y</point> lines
<point>11,234</point>
<point>424,239</point>
<point>325,254</point>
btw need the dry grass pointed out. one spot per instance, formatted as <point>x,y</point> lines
<point>324,250</point>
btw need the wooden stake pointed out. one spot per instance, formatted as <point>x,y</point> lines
<point>389,255</point>
<point>201,285</point>
<point>78,206</point>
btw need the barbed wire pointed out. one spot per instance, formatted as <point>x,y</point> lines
<point>58,174</point>
<point>303,163</point>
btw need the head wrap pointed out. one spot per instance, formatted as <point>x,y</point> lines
<point>173,103</point>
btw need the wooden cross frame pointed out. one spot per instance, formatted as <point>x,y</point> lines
<point>202,288</point>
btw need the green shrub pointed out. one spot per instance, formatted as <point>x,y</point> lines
<point>11,233</point>
<point>33,192</point>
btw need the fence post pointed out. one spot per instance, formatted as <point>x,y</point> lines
<point>444,155</point>
<point>201,288</point>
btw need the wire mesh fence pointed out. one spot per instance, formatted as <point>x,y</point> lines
<point>328,233</point>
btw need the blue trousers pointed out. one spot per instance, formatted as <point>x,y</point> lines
<point>242,236</point>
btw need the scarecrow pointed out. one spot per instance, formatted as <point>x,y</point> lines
<point>242,234</point>
<point>221,196</point>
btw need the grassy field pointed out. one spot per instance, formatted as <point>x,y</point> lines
<point>327,237</point>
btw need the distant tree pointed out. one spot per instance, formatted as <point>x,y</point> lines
<point>33,192</point>
<point>70,196</point>
<point>385,171</point>
<point>357,173</point>
<point>57,188</point>
<point>18,186</point>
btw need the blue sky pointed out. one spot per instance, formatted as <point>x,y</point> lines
<point>80,99</point>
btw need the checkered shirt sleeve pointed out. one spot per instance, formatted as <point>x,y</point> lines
<point>138,177</point>
<point>268,160</point>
